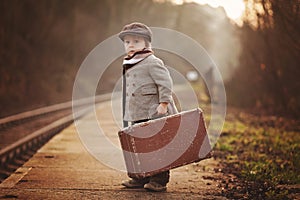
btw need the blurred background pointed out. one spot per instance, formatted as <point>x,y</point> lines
<point>254,43</point>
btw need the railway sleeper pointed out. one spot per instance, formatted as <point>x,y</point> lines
<point>4,174</point>
<point>11,167</point>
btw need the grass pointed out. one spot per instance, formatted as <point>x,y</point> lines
<point>262,152</point>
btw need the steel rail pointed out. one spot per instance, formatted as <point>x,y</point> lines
<point>14,149</point>
<point>49,109</point>
<point>11,155</point>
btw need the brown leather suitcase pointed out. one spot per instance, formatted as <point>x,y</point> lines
<point>165,143</point>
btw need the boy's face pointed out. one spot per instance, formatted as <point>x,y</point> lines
<point>133,43</point>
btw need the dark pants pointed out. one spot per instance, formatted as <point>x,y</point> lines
<point>161,178</point>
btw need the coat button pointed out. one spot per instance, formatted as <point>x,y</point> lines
<point>133,94</point>
<point>133,85</point>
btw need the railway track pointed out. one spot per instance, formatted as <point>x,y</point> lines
<point>23,134</point>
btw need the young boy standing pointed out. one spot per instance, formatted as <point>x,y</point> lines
<point>147,91</point>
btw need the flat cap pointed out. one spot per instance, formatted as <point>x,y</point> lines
<point>138,29</point>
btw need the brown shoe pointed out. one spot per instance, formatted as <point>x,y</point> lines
<point>132,183</point>
<point>155,187</point>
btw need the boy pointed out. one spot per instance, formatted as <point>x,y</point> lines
<point>147,91</point>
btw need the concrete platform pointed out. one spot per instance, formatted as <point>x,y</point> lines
<point>64,169</point>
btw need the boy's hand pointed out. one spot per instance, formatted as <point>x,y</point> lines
<point>162,108</point>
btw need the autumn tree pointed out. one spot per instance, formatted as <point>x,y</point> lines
<point>269,72</point>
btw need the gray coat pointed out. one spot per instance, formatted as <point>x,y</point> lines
<point>148,83</point>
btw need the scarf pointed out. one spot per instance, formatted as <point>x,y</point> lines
<point>137,57</point>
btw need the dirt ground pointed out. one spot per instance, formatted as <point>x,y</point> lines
<point>64,169</point>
